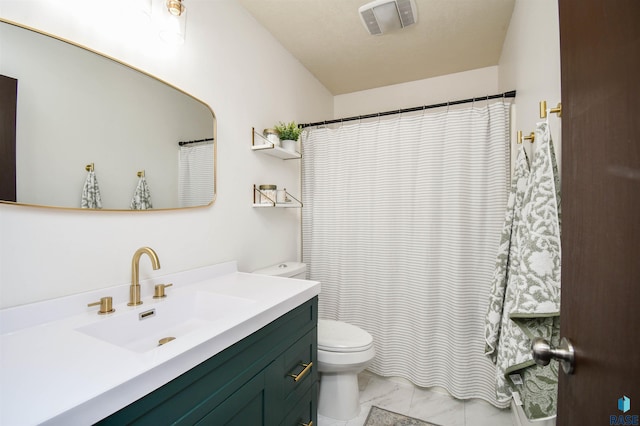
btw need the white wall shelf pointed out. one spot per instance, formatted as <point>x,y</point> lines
<point>265,146</point>
<point>292,202</point>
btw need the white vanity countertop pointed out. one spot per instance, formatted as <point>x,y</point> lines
<point>52,373</point>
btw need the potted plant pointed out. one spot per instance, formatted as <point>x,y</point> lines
<point>289,134</point>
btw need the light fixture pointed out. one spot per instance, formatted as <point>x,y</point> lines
<point>175,7</point>
<point>173,21</point>
<point>382,16</point>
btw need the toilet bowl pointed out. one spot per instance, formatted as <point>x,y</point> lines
<point>344,350</point>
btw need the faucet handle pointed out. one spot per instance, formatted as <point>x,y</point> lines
<point>159,290</point>
<point>106,305</point>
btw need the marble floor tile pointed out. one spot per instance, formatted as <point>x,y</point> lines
<point>437,407</point>
<point>326,421</point>
<point>387,394</point>
<point>424,404</point>
<point>480,413</point>
<point>362,417</point>
<point>363,380</point>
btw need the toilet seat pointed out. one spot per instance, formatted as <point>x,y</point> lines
<point>338,336</point>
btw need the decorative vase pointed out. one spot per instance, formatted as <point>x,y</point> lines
<point>288,144</point>
<point>272,136</point>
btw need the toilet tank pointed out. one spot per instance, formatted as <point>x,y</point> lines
<point>285,269</point>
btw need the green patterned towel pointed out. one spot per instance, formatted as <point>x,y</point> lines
<point>91,193</point>
<point>531,305</point>
<point>505,260</point>
<point>142,197</point>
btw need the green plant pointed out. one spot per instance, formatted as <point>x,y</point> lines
<point>289,131</point>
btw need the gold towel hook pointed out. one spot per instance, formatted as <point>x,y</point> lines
<point>556,110</point>
<point>89,167</point>
<point>530,138</point>
<point>141,173</point>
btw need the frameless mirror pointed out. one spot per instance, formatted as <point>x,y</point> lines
<point>76,108</point>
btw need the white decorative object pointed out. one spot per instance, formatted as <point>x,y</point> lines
<point>289,145</point>
<point>272,136</point>
<point>267,194</point>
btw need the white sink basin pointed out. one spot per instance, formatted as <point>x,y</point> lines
<point>142,329</point>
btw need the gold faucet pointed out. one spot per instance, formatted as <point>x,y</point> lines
<point>134,289</point>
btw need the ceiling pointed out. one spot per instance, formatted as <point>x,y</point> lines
<point>329,39</point>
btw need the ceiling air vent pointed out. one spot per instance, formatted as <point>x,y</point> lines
<point>382,16</point>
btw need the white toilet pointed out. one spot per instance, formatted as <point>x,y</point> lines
<point>344,350</point>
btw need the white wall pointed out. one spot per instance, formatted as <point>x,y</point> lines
<point>530,62</point>
<point>229,62</point>
<point>463,85</point>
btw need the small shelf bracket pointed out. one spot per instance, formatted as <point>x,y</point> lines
<point>264,143</point>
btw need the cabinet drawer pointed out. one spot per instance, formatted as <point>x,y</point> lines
<point>305,412</point>
<point>294,371</point>
<point>244,407</point>
<point>301,365</point>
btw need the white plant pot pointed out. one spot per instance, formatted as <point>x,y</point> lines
<point>288,144</point>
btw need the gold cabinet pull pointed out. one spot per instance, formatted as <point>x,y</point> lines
<point>307,424</point>
<point>300,375</point>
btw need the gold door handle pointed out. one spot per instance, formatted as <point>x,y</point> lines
<point>300,375</point>
<point>307,424</point>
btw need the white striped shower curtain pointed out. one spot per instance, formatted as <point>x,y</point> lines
<point>401,224</point>
<point>195,171</point>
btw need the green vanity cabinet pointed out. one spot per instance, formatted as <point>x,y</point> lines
<point>267,378</point>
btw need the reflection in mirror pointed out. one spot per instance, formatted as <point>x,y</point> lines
<point>76,108</point>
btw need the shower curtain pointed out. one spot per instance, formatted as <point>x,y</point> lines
<point>401,224</point>
<point>195,185</point>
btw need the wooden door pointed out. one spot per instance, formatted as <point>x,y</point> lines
<point>600,64</point>
<point>8,98</point>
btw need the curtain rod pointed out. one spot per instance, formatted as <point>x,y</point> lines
<point>195,141</point>
<point>190,142</point>
<point>510,94</point>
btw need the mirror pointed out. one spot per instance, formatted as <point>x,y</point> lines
<point>75,107</point>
